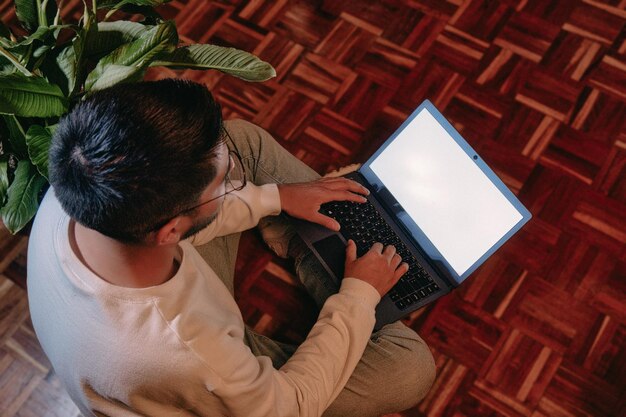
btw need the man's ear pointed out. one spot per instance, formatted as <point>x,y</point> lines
<point>170,233</point>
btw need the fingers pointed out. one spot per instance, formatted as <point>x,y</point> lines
<point>389,252</point>
<point>325,221</point>
<point>377,247</point>
<point>401,270</point>
<point>346,196</point>
<point>395,261</point>
<point>351,251</point>
<point>345,184</point>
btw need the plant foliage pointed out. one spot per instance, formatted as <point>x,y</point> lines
<point>44,74</point>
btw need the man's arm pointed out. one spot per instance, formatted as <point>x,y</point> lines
<point>319,369</point>
<point>243,209</point>
<point>304,200</point>
<point>249,386</point>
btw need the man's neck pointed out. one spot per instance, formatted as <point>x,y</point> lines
<point>121,264</point>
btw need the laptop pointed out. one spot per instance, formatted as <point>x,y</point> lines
<point>433,198</point>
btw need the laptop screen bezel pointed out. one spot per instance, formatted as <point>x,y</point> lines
<point>391,204</point>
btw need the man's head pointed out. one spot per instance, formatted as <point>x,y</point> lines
<point>129,158</point>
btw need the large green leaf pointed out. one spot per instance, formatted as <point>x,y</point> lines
<point>138,54</point>
<point>23,196</point>
<point>4,178</point>
<point>17,137</point>
<point>229,60</point>
<point>115,74</point>
<point>31,18</point>
<point>112,35</point>
<point>30,96</point>
<point>38,139</point>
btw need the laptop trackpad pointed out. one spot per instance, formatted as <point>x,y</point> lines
<point>333,251</point>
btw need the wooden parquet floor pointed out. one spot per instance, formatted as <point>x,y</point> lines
<point>538,87</point>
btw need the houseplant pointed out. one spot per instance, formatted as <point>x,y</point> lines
<point>44,73</point>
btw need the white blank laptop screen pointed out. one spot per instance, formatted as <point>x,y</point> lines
<point>445,193</point>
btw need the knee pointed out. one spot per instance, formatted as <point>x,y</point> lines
<point>248,137</point>
<point>417,371</point>
<point>411,369</point>
<point>395,373</point>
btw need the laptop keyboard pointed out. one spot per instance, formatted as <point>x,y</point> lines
<point>362,223</point>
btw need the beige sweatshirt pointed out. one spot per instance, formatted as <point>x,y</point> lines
<point>177,349</point>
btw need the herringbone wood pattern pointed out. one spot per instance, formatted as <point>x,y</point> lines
<point>538,87</point>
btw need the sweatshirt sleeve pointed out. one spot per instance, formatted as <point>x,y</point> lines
<point>240,211</point>
<point>316,373</point>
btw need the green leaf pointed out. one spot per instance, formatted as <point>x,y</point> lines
<point>31,18</point>
<point>14,58</point>
<point>26,11</point>
<point>231,61</point>
<point>38,140</point>
<point>6,66</point>
<point>112,35</point>
<point>75,67</point>
<point>30,96</point>
<point>137,54</point>
<point>23,197</point>
<point>46,34</point>
<point>64,67</point>
<point>60,68</point>
<point>144,7</point>
<point>6,42</point>
<point>40,51</point>
<point>115,74</point>
<point>4,178</point>
<point>116,4</point>
<point>17,137</point>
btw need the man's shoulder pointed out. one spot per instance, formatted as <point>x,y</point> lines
<point>48,216</point>
<point>46,242</point>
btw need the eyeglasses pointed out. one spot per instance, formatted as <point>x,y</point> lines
<point>234,180</point>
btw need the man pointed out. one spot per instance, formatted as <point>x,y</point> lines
<point>136,322</point>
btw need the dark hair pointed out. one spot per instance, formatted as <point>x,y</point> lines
<point>128,156</point>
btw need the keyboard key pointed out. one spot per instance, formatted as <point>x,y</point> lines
<point>362,223</point>
<point>401,290</point>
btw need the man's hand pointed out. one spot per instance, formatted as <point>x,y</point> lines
<point>303,200</point>
<point>382,268</point>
